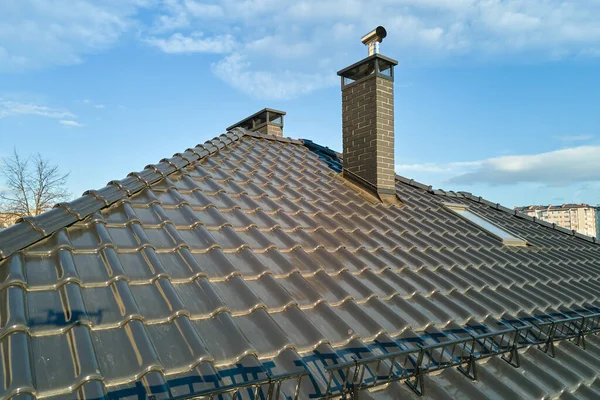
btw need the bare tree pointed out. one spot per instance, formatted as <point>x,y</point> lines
<point>32,186</point>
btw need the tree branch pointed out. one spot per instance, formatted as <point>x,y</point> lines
<point>33,185</point>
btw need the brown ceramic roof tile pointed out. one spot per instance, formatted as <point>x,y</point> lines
<point>248,257</point>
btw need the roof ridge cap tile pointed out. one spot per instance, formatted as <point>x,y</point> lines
<point>416,184</point>
<point>324,149</point>
<point>259,135</point>
<point>31,229</point>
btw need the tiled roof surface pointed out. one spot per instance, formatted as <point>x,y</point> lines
<point>250,259</point>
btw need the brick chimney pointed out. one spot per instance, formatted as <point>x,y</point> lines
<point>267,121</point>
<point>368,120</point>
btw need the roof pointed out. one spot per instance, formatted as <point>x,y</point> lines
<point>248,263</point>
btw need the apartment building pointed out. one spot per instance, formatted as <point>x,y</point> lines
<point>582,218</point>
<point>7,219</point>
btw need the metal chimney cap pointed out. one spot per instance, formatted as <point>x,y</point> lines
<point>376,35</point>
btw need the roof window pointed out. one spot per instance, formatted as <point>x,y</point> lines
<point>465,213</point>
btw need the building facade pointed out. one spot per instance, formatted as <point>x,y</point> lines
<point>7,219</point>
<point>581,218</point>
<point>597,211</point>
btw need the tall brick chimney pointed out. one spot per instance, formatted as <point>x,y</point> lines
<point>368,120</point>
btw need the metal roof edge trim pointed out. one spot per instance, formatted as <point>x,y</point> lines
<point>29,230</point>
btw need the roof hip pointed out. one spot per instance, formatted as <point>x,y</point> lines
<point>29,230</point>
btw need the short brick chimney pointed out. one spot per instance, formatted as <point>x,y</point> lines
<point>267,121</point>
<point>368,120</point>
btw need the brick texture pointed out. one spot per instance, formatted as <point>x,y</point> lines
<point>271,130</point>
<point>368,130</point>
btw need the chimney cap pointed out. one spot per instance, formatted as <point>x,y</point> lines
<point>349,69</point>
<point>266,116</point>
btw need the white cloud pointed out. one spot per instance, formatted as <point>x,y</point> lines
<point>74,124</point>
<point>194,43</point>
<point>10,108</point>
<point>277,47</point>
<point>591,52</point>
<point>455,26</point>
<point>38,33</point>
<point>326,9</point>
<point>203,10</point>
<point>178,14</point>
<point>236,70</point>
<point>342,31</point>
<point>452,168</point>
<point>574,138</point>
<point>306,35</point>
<point>577,164</point>
<point>559,167</point>
<point>92,104</point>
<point>299,38</point>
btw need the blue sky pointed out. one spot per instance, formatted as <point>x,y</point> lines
<point>497,97</point>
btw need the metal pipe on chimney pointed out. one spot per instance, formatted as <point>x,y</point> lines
<point>373,38</point>
<point>373,48</point>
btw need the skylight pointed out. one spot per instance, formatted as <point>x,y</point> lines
<point>507,238</point>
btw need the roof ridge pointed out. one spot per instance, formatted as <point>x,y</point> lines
<point>260,135</point>
<point>29,230</point>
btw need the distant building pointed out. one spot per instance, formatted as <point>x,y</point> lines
<point>597,208</point>
<point>7,220</point>
<point>581,218</point>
